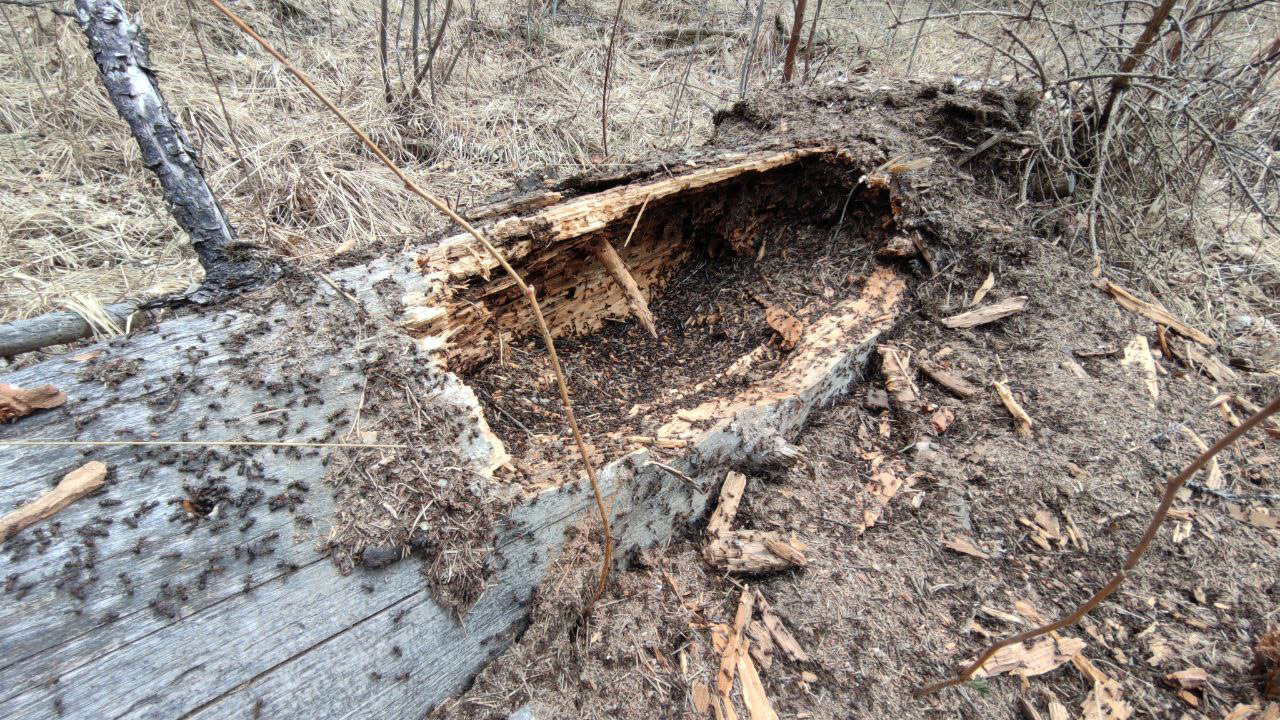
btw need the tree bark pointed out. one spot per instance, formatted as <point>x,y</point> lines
<point>120,50</point>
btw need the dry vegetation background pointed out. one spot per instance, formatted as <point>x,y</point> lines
<point>515,87</point>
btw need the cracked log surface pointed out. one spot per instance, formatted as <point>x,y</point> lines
<point>127,604</point>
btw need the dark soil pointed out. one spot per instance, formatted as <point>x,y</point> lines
<point>887,610</point>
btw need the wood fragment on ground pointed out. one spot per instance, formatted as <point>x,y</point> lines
<point>1207,362</point>
<point>965,546</point>
<point>1192,678</point>
<point>1042,655</point>
<point>1213,471</point>
<point>75,485</point>
<point>735,483</point>
<point>1021,418</point>
<point>1154,312</point>
<point>1137,354</point>
<point>782,637</point>
<point>753,694</point>
<point>16,402</point>
<point>754,552</point>
<point>987,314</point>
<point>955,384</point>
<point>983,289</point>
<point>897,376</point>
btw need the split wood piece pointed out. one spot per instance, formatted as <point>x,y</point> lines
<point>617,270</point>
<point>1198,357</point>
<point>957,385</point>
<point>735,643</point>
<point>753,552</point>
<point>790,330</point>
<point>753,694</point>
<point>1154,312</point>
<point>985,288</point>
<point>1213,477</point>
<point>76,484</point>
<point>730,495</point>
<point>16,402</point>
<point>459,257</point>
<point>761,644</point>
<point>987,314</point>
<point>1043,655</point>
<point>1020,416</point>
<point>1138,354</point>
<point>785,641</point>
<point>897,376</point>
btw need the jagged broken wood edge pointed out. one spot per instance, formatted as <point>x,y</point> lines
<point>294,637</point>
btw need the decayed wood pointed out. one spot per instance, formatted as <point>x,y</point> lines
<point>986,314</point>
<point>1154,312</point>
<point>751,552</point>
<point>75,485</point>
<point>119,48</point>
<point>730,495</point>
<point>617,270</point>
<point>958,386</point>
<point>1021,419</point>
<point>199,630</point>
<point>55,329</point>
<point>897,376</point>
<point>16,402</point>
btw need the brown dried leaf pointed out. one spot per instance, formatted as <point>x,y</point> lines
<point>941,420</point>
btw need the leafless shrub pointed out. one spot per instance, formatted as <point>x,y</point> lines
<point>1150,110</point>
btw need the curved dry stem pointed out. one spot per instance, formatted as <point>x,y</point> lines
<point>1131,561</point>
<point>525,288</point>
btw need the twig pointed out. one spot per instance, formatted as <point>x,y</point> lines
<point>527,290</point>
<point>808,46</point>
<point>919,32</point>
<point>636,222</point>
<point>1131,561</point>
<point>796,23</point>
<point>604,95</point>
<point>751,50</point>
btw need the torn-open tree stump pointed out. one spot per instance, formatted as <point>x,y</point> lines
<point>326,499</point>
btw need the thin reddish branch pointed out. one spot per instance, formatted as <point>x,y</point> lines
<point>1131,561</point>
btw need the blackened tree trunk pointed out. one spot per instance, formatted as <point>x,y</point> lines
<point>120,50</point>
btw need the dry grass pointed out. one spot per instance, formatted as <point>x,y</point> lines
<point>80,217</point>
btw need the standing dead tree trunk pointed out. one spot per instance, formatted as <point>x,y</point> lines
<point>119,49</point>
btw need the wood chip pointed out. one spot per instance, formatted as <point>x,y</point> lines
<point>753,552</point>
<point>957,385</point>
<point>1193,678</point>
<point>1020,416</point>
<point>753,694</point>
<point>734,644</point>
<point>941,420</point>
<point>1137,354</point>
<point>782,637</point>
<point>990,313</point>
<point>731,491</point>
<point>1242,712</point>
<point>1043,655</point>
<point>608,257</point>
<point>1209,363</point>
<point>1106,703</point>
<point>1154,312</point>
<point>897,376</point>
<point>1213,472</point>
<point>16,402</point>
<point>701,697</point>
<point>790,330</point>
<point>1256,517</point>
<point>75,485</point>
<point>984,289</point>
<point>1058,711</point>
<point>965,546</point>
<point>761,644</point>
<point>884,485</point>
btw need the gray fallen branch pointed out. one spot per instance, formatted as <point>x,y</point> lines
<point>56,329</point>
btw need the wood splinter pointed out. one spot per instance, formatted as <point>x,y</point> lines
<point>75,485</point>
<point>612,262</point>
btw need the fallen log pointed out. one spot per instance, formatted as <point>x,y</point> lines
<point>241,557</point>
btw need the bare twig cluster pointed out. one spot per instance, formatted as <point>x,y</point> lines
<point>1149,103</point>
